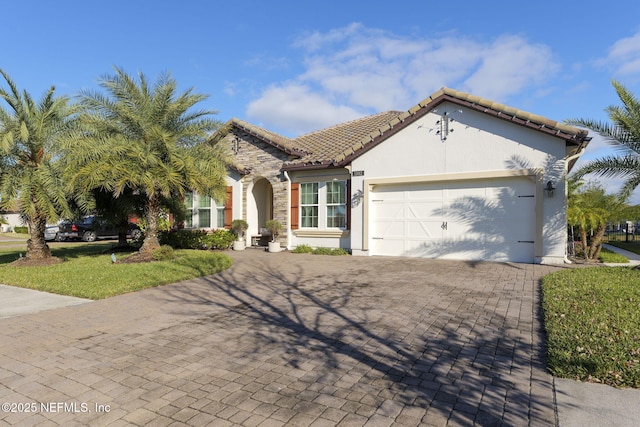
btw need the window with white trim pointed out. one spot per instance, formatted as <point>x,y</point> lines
<point>203,212</point>
<point>336,204</point>
<point>309,204</point>
<point>323,205</point>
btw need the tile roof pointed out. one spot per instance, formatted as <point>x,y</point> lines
<point>331,144</point>
<point>282,142</point>
<point>338,145</point>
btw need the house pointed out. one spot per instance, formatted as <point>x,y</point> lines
<point>454,177</point>
<point>12,219</point>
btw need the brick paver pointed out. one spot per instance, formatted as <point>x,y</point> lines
<point>286,339</point>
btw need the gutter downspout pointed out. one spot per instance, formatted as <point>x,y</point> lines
<point>286,176</point>
<point>566,172</point>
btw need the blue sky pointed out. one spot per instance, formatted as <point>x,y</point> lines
<point>294,67</point>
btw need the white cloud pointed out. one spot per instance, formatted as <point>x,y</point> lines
<point>625,55</point>
<point>509,65</point>
<point>294,109</point>
<point>354,71</point>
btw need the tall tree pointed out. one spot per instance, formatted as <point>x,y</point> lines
<point>30,135</point>
<point>624,133</point>
<point>146,139</point>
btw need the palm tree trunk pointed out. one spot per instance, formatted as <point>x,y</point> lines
<point>152,214</point>
<point>583,240</point>
<point>37,247</point>
<point>123,226</point>
<point>596,246</point>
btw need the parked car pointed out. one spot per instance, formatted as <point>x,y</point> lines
<point>51,232</point>
<point>92,228</point>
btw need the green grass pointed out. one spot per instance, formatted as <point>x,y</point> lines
<point>88,273</point>
<point>592,319</point>
<point>609,256</point>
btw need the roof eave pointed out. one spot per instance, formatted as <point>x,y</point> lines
<point>266,139</point>
<point>571,136</point>
<point>326,164</point>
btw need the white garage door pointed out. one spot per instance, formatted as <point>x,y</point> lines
<point>488,219</point>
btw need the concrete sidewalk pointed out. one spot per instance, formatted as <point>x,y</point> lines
<point>303,340</point>
<point>16,301</point>
<point>586,404</point>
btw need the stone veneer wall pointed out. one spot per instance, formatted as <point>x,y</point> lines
<point>264,161</point>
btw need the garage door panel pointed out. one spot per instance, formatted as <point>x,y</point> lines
<point>423,209</point>
<point>416,229</point>
<point>388,247</point>
<point>490,219</point>
<point>389,208</point>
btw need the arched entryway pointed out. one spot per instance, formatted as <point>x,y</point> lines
<point>259,206</point>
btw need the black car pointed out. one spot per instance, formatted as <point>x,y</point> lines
<point>93,228</point>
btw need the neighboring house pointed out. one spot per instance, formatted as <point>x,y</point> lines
<point>13,219</point>
<point>455,177</point>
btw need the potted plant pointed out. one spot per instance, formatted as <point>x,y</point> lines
<point>274,227</point>
<point>239,226</point>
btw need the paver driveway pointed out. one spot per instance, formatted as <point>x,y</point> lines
<point>286,339</point>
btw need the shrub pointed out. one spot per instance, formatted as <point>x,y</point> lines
<point>163,253</point>
<point>184,239</point>
<point>21,230</point>
<point>219,239</point>
<point>322,251</point>
<point>330,251</point>
<point>302,249</point>
<point>339,251</point>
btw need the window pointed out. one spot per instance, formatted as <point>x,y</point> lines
<point>309,204</point>
<point>219,216</point>
<point>200,211</point>
<point>323,204</point>
<point>188,202</point>
<point>336,204</point>
<point>204,212</point>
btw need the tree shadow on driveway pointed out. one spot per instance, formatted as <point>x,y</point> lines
<point>415,342</point>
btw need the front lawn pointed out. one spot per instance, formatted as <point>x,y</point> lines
<point>592,320</point>
<point>88,273</point>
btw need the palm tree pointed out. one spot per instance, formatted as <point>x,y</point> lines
<point>147,140</point>
<point>590,210</point>
<point>624,133</point>
<point>30,134</point>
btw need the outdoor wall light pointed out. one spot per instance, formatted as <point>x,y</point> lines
<point>550,188</point>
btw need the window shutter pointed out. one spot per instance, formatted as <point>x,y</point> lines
<point>295,205</point>
<point>348,204</point>
<point>228,208</point>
